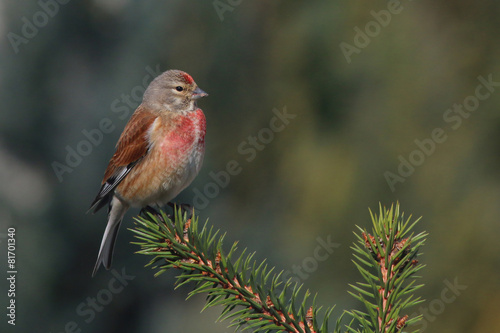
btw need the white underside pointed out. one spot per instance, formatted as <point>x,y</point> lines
<point>170,191</point>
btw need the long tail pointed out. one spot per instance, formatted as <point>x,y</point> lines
<point>117,210</point>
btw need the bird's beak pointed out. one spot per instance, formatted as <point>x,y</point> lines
<point>198,93</point>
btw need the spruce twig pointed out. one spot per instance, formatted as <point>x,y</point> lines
<point>260,293</point>
<point>387,261</point>
<point>255,297</point>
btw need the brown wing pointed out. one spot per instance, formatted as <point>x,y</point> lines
<point>133,143</point>
<point>132,146</point>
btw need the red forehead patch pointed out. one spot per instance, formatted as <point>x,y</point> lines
<point>187,78</point>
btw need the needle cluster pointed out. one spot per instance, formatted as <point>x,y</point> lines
<point>387,261</point>
<point>256,298</point>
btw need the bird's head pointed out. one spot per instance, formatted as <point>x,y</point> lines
<point>173,90</point>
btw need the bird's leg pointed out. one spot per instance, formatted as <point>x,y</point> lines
<point>148,209</point>
<point>184,208</point>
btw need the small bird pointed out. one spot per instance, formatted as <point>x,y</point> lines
<point>158,154</point>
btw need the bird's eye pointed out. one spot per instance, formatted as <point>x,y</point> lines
<point>179,88</point>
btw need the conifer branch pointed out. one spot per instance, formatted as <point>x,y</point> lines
<point>261,294</point>
<point>256,298</point>
<point>387,261</point>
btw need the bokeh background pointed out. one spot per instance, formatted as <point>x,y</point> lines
<point>355,117</point>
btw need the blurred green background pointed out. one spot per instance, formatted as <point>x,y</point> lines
<point>360,81</point>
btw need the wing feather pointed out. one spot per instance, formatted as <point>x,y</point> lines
<point>132,146</point>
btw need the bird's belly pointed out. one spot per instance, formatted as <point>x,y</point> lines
<point>181,177</point>
<point>158,180</point>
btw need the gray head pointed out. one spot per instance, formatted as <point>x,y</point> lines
<point>173,90</point>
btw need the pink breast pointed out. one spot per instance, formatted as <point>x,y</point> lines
<point>201,126</point>
<point>188,134</point>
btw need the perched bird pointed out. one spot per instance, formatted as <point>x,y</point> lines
<point>158,154</point>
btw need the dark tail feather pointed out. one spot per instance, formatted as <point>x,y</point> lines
<point>99,202</point>
<point>115,216</point>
